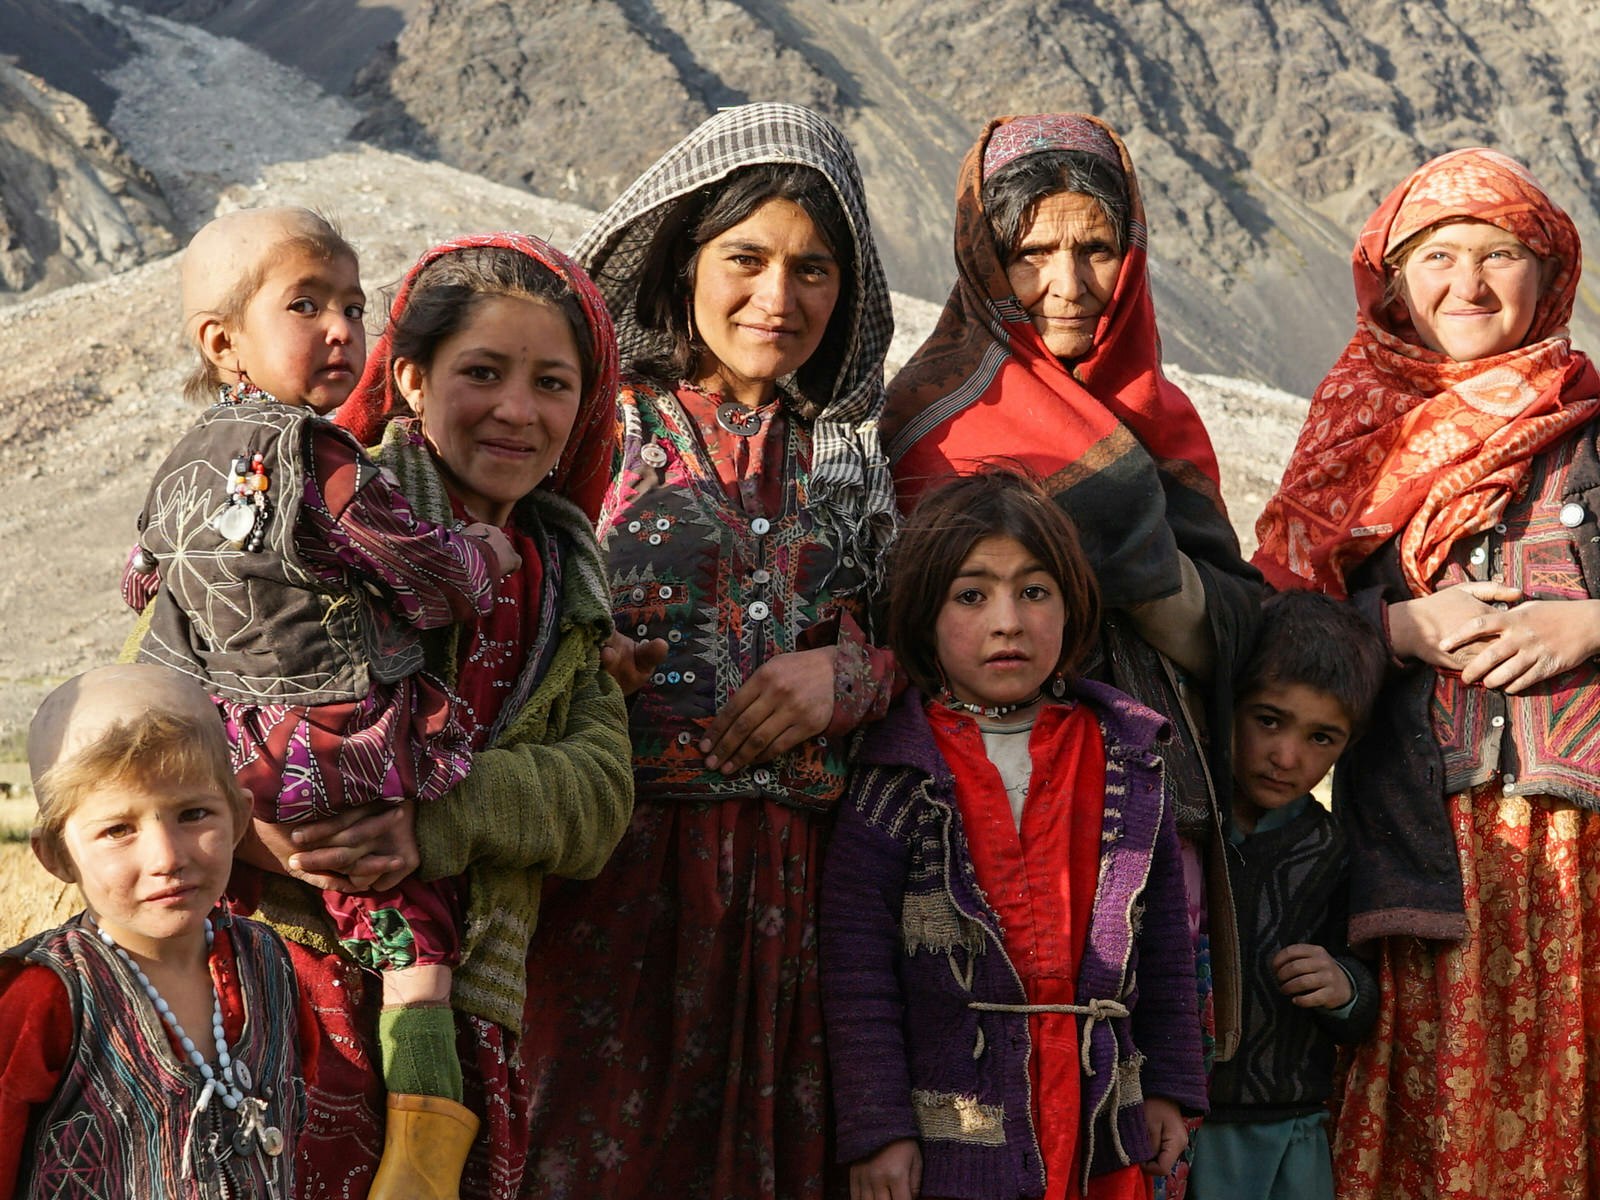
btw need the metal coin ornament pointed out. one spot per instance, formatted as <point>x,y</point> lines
<point>272,1141</point>
<point>736,418</point>
<point>243,520</point>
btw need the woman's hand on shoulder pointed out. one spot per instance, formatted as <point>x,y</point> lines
<point>1418,628</point>
<point>1169,1135</point>
<point>629,662</point>
<point>1515,648</point>
<point>366,849</point>
<point>788,700</point>
<point>893,1173</point>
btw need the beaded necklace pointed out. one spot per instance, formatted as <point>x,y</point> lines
<point>991,711</point>
<point>229,1081</point>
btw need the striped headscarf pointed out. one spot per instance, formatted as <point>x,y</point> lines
<point>851,492</point>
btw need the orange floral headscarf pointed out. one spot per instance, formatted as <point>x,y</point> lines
<point>1404,442</point>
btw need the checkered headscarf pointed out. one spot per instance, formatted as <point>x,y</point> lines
<point>851,491</point>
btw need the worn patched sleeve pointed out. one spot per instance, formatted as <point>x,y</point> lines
<point>1177,625</point>
<point>866,678</point>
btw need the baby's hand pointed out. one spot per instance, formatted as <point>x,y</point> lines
<point>632,663</point>
<point>1309,976</point>
<point>893,1173</point>
<point>505,559</point>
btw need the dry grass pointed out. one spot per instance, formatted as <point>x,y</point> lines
<point>30,898</point>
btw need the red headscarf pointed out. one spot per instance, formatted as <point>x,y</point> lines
<point>986,348</point>
<point>581,474</point>
<point>1403,440</point>
<point>984,387</point>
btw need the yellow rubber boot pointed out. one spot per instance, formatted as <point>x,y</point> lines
<point>424,1149</point>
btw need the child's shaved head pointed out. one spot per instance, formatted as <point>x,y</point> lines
<point>131,720</point>
<point>225,262</point>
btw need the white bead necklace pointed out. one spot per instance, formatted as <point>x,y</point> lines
<point>230,1085</point>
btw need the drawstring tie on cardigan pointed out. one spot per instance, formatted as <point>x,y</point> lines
<point>1095,1010</point>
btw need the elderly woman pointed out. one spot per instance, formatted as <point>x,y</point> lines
<point>549,787</point>
<point>680,1048</point>
<point>1447,479</point>
<point>1047,356</point>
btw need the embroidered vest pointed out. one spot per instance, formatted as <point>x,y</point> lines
<point>257,626</point>
<point>1545,741</point>
<point>727,590</point>
<point>120,1117</point>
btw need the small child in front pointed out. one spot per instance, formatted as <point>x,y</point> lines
<point>1305,692</point>
<point>1007,976</point>
<point>147,1046</point>
<point>288,575</point>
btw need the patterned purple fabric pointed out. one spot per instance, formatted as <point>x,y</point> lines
<point>1046,131</point>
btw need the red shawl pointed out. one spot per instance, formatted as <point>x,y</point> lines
<point>1110,435</point>
<point>581,474</point>
<point>1404,440</point>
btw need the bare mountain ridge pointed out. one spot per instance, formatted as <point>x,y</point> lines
<point>1264,130</point>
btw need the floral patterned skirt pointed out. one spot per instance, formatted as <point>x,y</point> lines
<point>676,1020</point>
<point>1482,1077</point>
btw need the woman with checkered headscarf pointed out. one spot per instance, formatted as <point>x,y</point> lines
<point>743,517</point>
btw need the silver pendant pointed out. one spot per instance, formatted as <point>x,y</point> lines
<point>737,419</point>
<point>234,523</point>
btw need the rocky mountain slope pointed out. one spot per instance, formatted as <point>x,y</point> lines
<point>73,204</point>
<point>1264,129</point>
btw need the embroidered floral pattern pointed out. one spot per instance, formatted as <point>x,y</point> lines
<point>1480,1078</point>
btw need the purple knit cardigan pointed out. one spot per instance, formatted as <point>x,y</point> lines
<point>909,944</point>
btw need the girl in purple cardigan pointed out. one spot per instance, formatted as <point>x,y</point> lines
<point>1008,981</point>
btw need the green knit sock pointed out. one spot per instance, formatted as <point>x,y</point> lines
<point>418,1048</point>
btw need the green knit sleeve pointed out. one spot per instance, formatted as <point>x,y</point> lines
<point>557,803</point>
